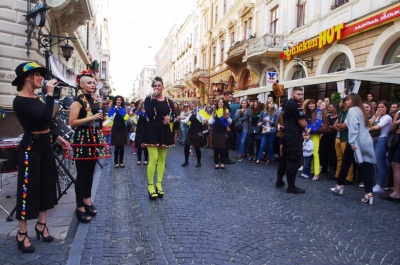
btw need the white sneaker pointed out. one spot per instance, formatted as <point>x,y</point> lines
<point>301,168</point>
<point>378,189</point>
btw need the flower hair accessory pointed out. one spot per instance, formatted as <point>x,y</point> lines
<point>84,73</point>
<point>153,80</point>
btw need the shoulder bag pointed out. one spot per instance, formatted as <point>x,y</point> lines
<point>325,126</point>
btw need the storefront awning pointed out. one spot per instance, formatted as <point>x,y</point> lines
<point>388,73</point>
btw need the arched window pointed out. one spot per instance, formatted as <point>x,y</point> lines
<point>393,54</point>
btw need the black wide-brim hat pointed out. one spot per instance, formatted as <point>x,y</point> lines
<point>24,68</point>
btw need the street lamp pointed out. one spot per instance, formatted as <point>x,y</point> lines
<point>36,18</point>
<point>46,41</point>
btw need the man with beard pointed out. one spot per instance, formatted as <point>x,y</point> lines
<point>295,125</point>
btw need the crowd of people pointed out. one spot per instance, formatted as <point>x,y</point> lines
<point>351,141</point>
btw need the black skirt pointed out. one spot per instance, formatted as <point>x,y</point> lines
<point>194,139</point>
<point>220,139</point>
<point>37,175</point>
<point>119,136</point>
<point>158,134</point>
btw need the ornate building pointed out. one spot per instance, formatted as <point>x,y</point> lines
<point>82,20</point>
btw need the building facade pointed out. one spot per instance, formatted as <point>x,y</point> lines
<point>244,46</point>
<point>82,20</point>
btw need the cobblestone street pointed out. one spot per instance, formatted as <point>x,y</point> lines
<point>231,216</point>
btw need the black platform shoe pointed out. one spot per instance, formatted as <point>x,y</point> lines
<point>152,195</point>
<point>48,238</point>
<point>159,192</point>
<point>21,246</point>
<point>82,217</point>
<point>90,209</point>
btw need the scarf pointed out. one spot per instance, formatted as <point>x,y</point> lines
<point>220,114</point>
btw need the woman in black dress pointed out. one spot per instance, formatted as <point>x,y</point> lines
<point>37,174</point>
<point>194,135</point>
<point>220,120</point>
<point>88,143</point>
<point>158,135</point>
<point>141,123</point>
<point>119,132</point>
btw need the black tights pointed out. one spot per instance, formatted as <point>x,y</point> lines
<point>198,153</point>
<point>219,155</point>
<point>146,154</point>
<point>119,151</point>
<point>84,180</point>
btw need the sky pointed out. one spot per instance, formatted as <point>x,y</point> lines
<point>137,31</point>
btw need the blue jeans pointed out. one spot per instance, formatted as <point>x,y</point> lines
<point>307,165</point>
<point>242,140</point>
<point>107,138</point>
<point>380,169</point>
<point>267,139</point>
<point>185,129</point>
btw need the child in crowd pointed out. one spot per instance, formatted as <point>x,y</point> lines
<point>308,147</point>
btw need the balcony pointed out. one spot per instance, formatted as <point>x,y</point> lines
<point>188,76</point>
<point>199,73</point>
<point>236,51</point>
<point>269,45</point>
<point>179,84</point>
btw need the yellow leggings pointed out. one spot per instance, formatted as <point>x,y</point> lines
<point>157,156</point>
<point>315,139</point>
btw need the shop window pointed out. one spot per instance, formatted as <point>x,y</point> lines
<point>274,20</point>
<point>301,9</point>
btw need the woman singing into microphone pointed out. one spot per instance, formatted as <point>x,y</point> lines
<point>158,135</point>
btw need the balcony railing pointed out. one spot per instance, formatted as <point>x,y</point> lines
<point>188,76</point>
<point>199,73</point>
<point>236,49</point>
<point>268,42</point>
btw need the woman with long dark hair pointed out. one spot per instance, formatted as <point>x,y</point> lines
<point>220,120</point>
<point>88,143</point>
<point>158,135</point>
<point>142,119</point>
<point>314,121</point>
<point>381,122</point>
<point>37,174</point>
<point>268,120</point>
<point>254,129</point>
<point>119,131</point>
<point>242,115</point>
<point>361,143</point>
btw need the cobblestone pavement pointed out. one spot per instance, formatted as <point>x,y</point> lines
<point>231,216</point>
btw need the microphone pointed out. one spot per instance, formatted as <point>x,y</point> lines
<point>58,84</point>
<point>155,94</point>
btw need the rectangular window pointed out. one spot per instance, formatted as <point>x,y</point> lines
<point>222,51</point>
<point>103,70</point>
<point>340,2</point>
<point>301,9</point>
<point>214,55</point>
<point>216,15</point>
<point>225,7</point>
<point>274,20</point>
<point>233,38</point>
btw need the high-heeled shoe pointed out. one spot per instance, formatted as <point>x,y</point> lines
<point>152,194</point>
<point>90,209</point>
<point>82,217</point>
<point>338,189</point>
<point>21,245</point>
<point>368,198</point>
<point>39,233</point>
<point>160,191</point>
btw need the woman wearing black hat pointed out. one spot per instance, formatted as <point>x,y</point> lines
<point>37,174</point>
<point>88,143</point>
